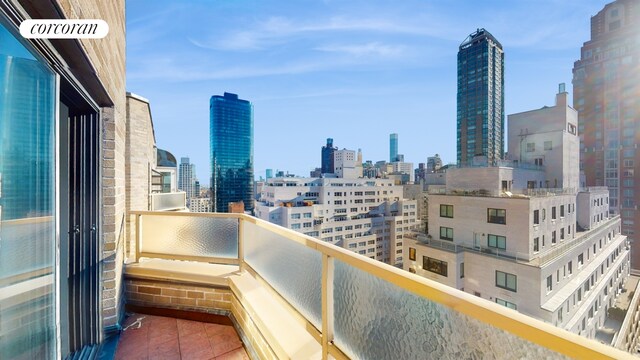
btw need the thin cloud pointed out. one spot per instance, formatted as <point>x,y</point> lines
<point>278,30</point>
<point>369,49</point>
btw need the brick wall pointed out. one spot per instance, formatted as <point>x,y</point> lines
<point>140,155</point>
<point>107,56</point>
<point>179,296</point>
<point>199,298</point>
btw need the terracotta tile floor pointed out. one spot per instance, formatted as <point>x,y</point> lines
<point>155,337</point>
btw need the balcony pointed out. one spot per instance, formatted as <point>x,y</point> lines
<point>292,296</point>
<point>173,201</point>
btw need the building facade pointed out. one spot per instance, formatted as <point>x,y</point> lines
<point>405,168</point>
<point>548,138</point>
<point>187,179</point>
<point>393,147</point>
<point>480,98</point>
<point>605,87</point>
<point>326,154</point>
<point>366,216</point>
<point>200,204</point>
<point>503,234</point>
<point>231,151</point>
<point>434,163</point>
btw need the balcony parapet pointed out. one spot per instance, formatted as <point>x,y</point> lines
<point>174,201</point>
<point>345,300</point>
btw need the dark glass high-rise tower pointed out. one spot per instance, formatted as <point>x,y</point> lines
<point>606,84</point>
<point>326,164</point>
<point>480,115</point>
<point>231,151</point>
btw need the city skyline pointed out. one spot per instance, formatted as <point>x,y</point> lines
<point>362,70</point>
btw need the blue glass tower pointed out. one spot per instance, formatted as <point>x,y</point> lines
<point>393,147</point>
<point>231,151</point>
<point>480,115</point>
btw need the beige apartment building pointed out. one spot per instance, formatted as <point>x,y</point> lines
<point>525,235</point>
<point>366,216</point>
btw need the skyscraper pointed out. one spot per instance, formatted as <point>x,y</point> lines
<point>327,157</point>
<point>434,163</point>
<point>480,115</point>
<point>606,84</point>
<point>393,147</point>
<point>187,178</point>
<point>231,151</point>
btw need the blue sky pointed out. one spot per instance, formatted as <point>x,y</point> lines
<point>355,71</point>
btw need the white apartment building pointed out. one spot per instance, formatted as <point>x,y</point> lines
<point>404,168</point>
<point>344,164</point>
<point>366,216</point>
<point>199,204</point>
<point>552,253</point>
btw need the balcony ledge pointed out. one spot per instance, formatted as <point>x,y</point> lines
<point>268,326</point>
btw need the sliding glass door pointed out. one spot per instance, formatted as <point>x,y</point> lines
<point>27,203</point>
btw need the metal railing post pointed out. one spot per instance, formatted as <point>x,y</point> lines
<point>138,236</point>
<point>327,304</point>
<point>240,244</point>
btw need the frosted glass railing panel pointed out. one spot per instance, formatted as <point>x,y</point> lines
<point>292,269</point>
<point>375,319</point>
<point>168,201</point>
<point>190,236</point>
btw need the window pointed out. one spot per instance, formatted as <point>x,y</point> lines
<point>307,225</point>
<point>531,147</point>
<point>548,145</point>
<point>570,267</point>
<point>412,254</point>
<point>553,237</point>
<point>446,211</point>
<point>536,244</point>
<point>549,283</point>
<point>536,217</point>
<point>506,281</point>
<point>510,305</point>
<point>561,210</point>
<point>446,233</point>
<point>28,175</point>
<point>497,216</point>
<point>553,213</point>
<point>295,226</point>
<point>561,234</point>
<point>434,265</point>
<point>580,260</point>
<point>307,215</point>
<point>295,216</point>
<point>497,241</point>
<point>461,270</point>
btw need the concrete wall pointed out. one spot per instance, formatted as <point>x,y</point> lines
<point>492,178</point>
<point>548,124</point>
<point>470,224</point>
<point>593,205</point>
